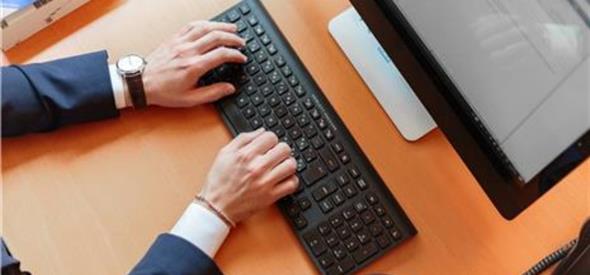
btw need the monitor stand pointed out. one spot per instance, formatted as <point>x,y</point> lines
<point>381,75</point>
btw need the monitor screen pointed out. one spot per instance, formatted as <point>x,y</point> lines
<point>522,66</point>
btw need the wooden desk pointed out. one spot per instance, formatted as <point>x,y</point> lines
<point>93,197</point>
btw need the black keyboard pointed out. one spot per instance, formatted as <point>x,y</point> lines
<point>343,213</point>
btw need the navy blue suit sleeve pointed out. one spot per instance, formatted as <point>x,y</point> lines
<point>42,97</point>
<point>173,255</point>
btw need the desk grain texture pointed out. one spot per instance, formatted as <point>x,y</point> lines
<point>90,199</point>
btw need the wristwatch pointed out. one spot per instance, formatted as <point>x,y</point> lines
<point>131,68</point>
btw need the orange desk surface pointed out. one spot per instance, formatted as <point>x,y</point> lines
<point>90,199</point>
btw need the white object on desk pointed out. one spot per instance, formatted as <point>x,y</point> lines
<point>381,75</point>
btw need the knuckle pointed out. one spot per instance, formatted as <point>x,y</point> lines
<point>242,157</point>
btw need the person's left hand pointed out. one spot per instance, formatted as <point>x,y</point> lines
<point>173,70</point>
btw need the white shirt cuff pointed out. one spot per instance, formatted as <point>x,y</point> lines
<point>119,88</point>
<point>201,228</point>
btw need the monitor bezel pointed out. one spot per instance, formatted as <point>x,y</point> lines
<point>507,191</point>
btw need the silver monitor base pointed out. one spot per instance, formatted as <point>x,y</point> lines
<point>381,75</point>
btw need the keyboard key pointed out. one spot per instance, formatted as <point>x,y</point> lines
<point>354,172</point>
<point>349,190</point>
<point>252,69</point>
<point>336,221</point>
<point>375,229</point>
<point>332,240</point>
<point>362,184</point>
<point>324,228</point>
<point>265,39</point>
<point>314,173</point>
<point>281,111</point>
<point>329,159</point>
<point>309,155</point>
<point>338,198</point>
<point>387,221</point>
<point>315,114</point>
<point>300,222</point>
<point>383,241</point>
<point>257,99</point>
<point>248,35</point>
<point>326,206</point>
<point>241,26</point>
<point>242,101</point>
<point>308,103</point>
<point>337,147</point>
<point>253,46</point>
<point>302,144</point>
<point>279,131</point>
<point>355,224</point>
<point>310,131</point>
<point>316,142</point>
<point>295,133</point>
<point>274,101</point>
<point>252,21</point>
<point>249,112</point>
<point>295,110</point>
<point>289,99</point>
<point>343,232</point>
<point>260,79</point>
<point>288,122</point>
<point>293,81</point>
<point>395,233</point>
<point>303,120</point>
<point>351,243</point>
<point>360,206</point>
<point>326,260</point>
<point>301,165</point>
<point>249,89</point>
<point>372,198</point>
<point>323,191</point>
<point>233,15</point>
<point>256,123</point>
<point>315,243</point>
<point>343,267</point>
<point>322,124</point>
<point>363,236</point>
<point>280,61</point>
<point>344,158</point>
<point>287,71</point>
<point>293,209</point>
<point>365,252</point>
<point>339,251</point>
<point>367,217</point>
<point>267,67</point>
<point>329,135</point>
<point>300,92</point>
<point>281,87</point>
<point>348,213</point>
<point>342,179</point>
<point>244,9</point>
<point>271,121</point>
<point>379,210</point>
<point>260,56</point>
<point>274,77</point>
<point>259,30</point>
<point>272,50</point>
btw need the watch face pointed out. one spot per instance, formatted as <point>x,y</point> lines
<point>131,64</point>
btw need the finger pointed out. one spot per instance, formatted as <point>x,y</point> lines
<point>285,188</point>
<point>261,144</point>
<point>244,139</point>
<point>209,93</point>
<point>216,39</point>
<point>199,65</point>
<point>199,29</point>
<point>279,173</point>
<point>274,156</point>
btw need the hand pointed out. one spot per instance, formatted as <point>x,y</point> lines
<point>172,72</point>
<point>249,174</point>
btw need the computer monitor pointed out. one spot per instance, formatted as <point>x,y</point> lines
<point>508,82</point>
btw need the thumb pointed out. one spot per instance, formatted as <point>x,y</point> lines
<point>210,93</point>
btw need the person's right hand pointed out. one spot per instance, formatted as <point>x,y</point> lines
<point>172,70</point>
<point>249,174</point>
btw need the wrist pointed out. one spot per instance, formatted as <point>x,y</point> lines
<point>219,212</point>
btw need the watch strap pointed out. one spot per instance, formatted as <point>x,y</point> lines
<point>136,91</point>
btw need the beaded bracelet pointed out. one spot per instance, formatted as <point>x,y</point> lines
<point>213,209</point>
